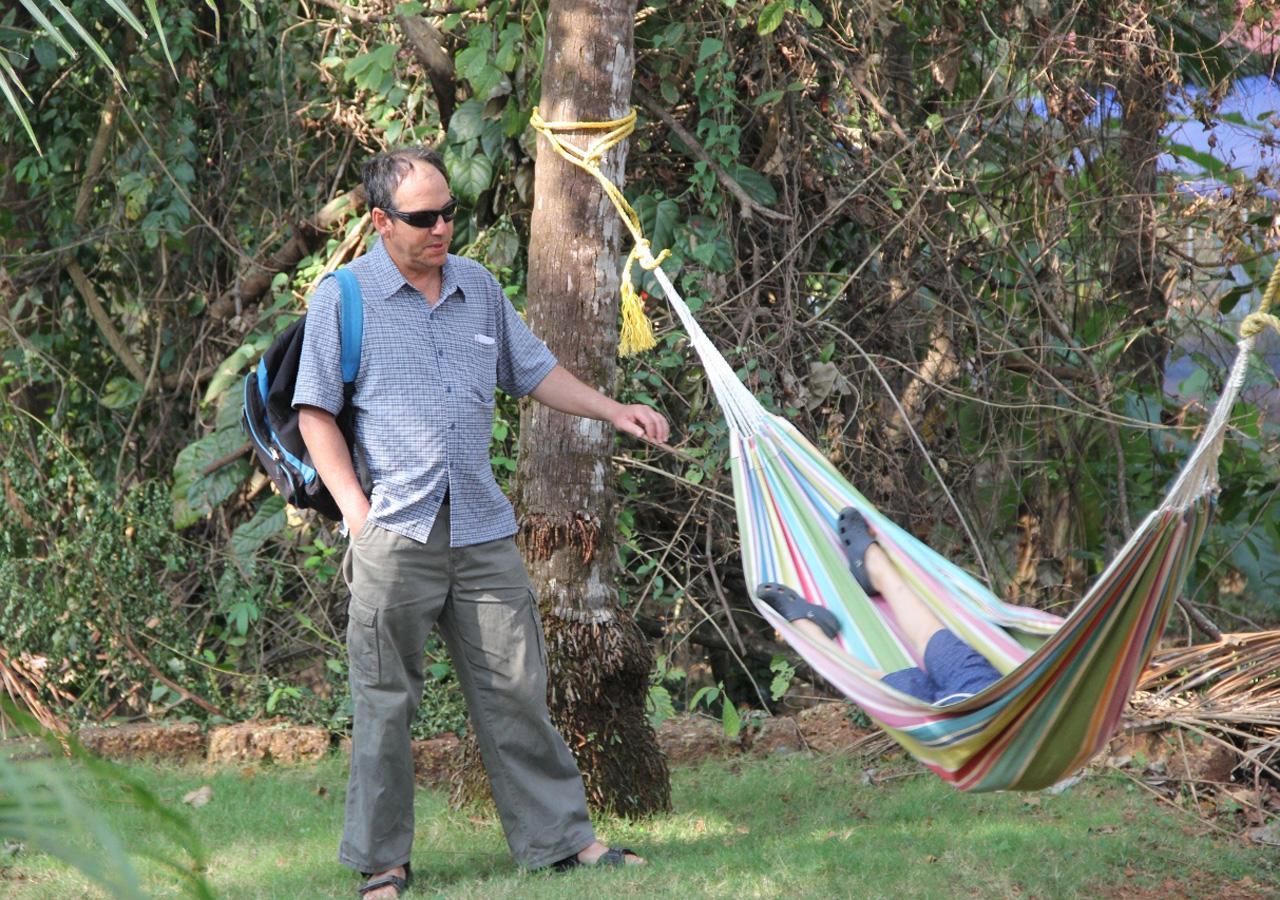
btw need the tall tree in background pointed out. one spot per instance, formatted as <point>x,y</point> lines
<point>599,660</point>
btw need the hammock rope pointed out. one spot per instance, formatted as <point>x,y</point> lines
<point>1065,682</point>
<point>637,333</point>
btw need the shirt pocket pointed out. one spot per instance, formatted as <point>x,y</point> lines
<point>482,369</point>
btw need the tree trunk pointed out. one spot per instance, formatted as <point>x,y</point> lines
<point>599,659</point>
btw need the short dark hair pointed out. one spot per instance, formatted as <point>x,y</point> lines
<point>383,174</point>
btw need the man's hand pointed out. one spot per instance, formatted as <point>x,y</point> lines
<point>356,519</point>
<point>332,459</point>
<point>562,391</point>
<point>642,422</point>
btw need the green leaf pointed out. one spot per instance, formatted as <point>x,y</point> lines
<point>231,369</point>
<point>707,693</point>
<point>9,80</point>
<point>471,176</point>
<point>783,674</point>
<point>502,250</point>
<point>758,187</point>
<point>194,493</point>
<point>84,36</point>
<point>121,393</point>
<point>49,27</point>
<point>660,706</point>
<point>732,721</point>
<point>708,48</point>
<point>267,521</point>
<point>467,122</point>
<point>771,17</point>
<point>368,69</point>
<point>767,98</point>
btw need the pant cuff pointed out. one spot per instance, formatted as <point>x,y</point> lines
<point>566,848</point>
<point>352,863</point>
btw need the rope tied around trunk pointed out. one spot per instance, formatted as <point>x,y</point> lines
<point>636,334</point>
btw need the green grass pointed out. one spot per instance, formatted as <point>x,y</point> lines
<point>798,826</point>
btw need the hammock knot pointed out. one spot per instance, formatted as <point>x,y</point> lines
<point>1258,322</point>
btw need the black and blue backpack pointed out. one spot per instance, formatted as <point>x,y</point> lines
<point>271,421</point>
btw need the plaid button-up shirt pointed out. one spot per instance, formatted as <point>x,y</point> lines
<point>424,393</point>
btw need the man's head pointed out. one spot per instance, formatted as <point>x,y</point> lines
<point>412,207</point>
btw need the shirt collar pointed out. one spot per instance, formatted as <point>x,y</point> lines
<point>387,278</point>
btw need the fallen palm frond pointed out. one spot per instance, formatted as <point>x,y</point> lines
<point>21,678</point>
<point>1224,694</point>
<point>1229,689</point>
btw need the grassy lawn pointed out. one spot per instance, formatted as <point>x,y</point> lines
<point>797,826</point>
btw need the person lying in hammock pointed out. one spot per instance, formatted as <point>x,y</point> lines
<point>951,670</point>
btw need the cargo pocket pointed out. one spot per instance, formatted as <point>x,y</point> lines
<point>363,651</point>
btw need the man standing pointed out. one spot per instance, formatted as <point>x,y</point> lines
<point>434,544</point>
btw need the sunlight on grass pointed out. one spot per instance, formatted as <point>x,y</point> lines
<point>799,826</point>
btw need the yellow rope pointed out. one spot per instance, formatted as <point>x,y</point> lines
<point>1256,322</point>
<point>636,334</point>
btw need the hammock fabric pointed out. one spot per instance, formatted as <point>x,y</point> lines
<point>1065,681</point>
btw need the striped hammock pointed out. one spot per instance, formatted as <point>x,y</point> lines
<point>1065,681</point>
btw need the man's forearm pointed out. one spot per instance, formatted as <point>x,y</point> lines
<point>561,391</point>
<point>332,459</point>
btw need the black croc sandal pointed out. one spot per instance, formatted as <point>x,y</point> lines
<point>794,608</point>
<point>400,884</point>
<point>856,538</point>
<point>614,856</point>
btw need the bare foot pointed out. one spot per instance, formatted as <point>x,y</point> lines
<point>590,855</point>
<point>387,892</point>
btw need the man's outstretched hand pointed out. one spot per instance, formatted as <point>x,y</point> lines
<point>643,422</point>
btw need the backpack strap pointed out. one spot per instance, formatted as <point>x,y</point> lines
<point>352,323</point>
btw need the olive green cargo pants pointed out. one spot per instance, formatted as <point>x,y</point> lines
<point>481,599</point>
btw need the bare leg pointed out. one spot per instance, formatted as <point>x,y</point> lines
<point>917,620</point>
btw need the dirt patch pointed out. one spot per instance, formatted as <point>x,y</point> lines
<point>1197,886</point>
<point>1181,756</point>
<point>181,741</point>
<point>829,728</point>
<point>824,728</point>
<point>687,740</point>
<point>275,740</point>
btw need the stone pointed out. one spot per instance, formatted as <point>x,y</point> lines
<point>274,740</point>
<point>778,735</point>
<point>144,740</point>
<point>434,758</point>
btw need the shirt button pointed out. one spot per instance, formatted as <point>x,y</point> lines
<point>439,353</point>
<point>448,390</point>
<point>452,426</point>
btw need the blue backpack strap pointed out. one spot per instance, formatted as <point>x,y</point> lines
<point>352,323</point>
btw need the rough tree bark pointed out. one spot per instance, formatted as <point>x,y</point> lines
<point>599,659</point>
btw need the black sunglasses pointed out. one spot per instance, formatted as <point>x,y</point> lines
<point>426,218</point>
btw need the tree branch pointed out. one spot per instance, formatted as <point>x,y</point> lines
<point>255,279</point>
<point>93,168</point>
<point>104,323</point>
<point>428,46</point>
<point>365,18</point>
<point>745,203</point>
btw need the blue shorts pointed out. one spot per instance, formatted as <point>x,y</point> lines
<point>953,671</point>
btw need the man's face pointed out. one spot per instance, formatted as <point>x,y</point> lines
<point>418,249</point>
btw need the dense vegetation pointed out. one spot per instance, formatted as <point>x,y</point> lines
<point>934,235</point>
